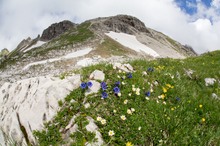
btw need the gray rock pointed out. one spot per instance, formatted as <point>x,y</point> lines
<point>56,29</point>
<point>97,75</point>
<point>123,67</point>
<point>34,100</point>
<point>209,81</point>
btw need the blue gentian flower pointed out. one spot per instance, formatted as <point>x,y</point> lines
<point>104,95</point>
<point>129,75</point>
<point>150,69</point>
<point>117,83</point>
<point>147,93</point>
<point>177,99</point>
<point>103,86</point>
<point>83,85</point>
<point>116,90</point>
<point>89,84</point>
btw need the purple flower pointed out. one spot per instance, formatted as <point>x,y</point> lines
<point>116,90</point>
<point>103,86</point>
<point>83,85</point>
<point>104,95</point>
<point>89,84</point>
<point>117,83</point>
<point>147,93</point>
<point>129,75</point>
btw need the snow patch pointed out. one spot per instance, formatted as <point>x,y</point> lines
<point>68,56</point>
<point>131,42</point>
<point>38,44</point>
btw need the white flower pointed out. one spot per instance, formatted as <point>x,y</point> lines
<point>114,111</point>
<point>137,93</point>
<point>119,71</point>
<point>123,117</point>
<point>139,128</point>
<point>129,94</point>
<point>132,109</point>
<point>125,101</point>
<point>138,90</point>
<point>164,103</point>
<point>103,121</point>
<point>144,73</point>
<point>133,89</point>
<point>133,86</point>
<point>123,83</point>
<point>118,76</point>
<point>147,98</point>
<point>111,133</point>
<point>129,112</point>
<point>119,94</point>
<point>114,67</point>
<point>151,90</point>
<point>98,118</point>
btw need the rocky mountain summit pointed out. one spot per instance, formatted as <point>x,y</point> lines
<point>32,72</point>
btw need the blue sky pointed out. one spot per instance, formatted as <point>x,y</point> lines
<point>192,22</point>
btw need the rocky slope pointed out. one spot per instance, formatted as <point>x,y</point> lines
<point>27,74</point>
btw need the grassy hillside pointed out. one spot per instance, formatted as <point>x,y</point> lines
<point>159,105</point>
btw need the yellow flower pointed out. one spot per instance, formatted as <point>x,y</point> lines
<point>172,109</point>
<point>203,119</point>
<point>129,144</point>
<point>123,117</point>
<point>162,96</point>
<point>200,105</point>
<point>168,85</point>
<point>111,133</point>
<point>164,89</point>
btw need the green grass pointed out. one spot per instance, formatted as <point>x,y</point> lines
<point>180,109</point>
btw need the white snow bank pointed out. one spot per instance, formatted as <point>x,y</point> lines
<point>131,42</point>
<point>68,56</point>
<point>38,44</point>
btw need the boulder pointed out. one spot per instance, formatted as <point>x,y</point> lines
<point>97,75</point>
<point>31,102</point>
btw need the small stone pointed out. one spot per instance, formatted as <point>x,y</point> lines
<point>94,89</point>
<point>97,75</point>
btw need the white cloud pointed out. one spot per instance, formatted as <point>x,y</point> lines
<point>20,19</point>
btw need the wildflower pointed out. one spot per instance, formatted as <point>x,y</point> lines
<point>114,67</point>
<point>103,121</point>
<point>177,99</point>
<point>129,75</point>
<point>164,103</point>
<point>129,94</point>
<point>114,111</point>
<point>83,85</point>
<point>138,90</point>
<point>111,133</point>
<point>147,98</point>
<point>98,118</point>
<point>139,128</point>
<point>118,76</point>
<point>172,109</point>
<point>203,119</point>
<point>117,83</point>
<point>200,105</point>
<point>123,77</point>
<point>119,71</point>
<point>144,73</point>
<point>103,86</point>
<point>125,101</point>
<point>89,84</point>
<point>164,89</point>
<point>123,83</point>
<point>147,94</point>
<point>123,117</point>
<point>133,89</point>
<point>119,94</point>
<point>129,144</point>
<point>104,95</point>
<point>133,86</point>
<point>137,93</point>
<point>150,69</point>
<point>116,90</point>
<point>168,85</point>
<point>129,111</point>
<point>132,109</point>
<point>151,90</point>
